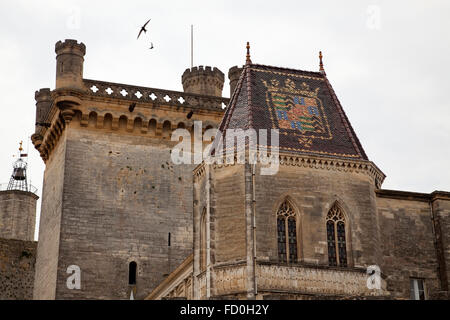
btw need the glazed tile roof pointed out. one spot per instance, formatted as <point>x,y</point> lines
<point>301,104</point>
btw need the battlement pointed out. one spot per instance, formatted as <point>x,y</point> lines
<point>203,80</point>
<point>42,94</point>
<point>203,71</point>
<point>70,45</point>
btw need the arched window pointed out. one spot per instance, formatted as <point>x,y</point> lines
<point>337,247</point>
<point>287,233</point>
<point>132,273</point>
<point>203,241</point>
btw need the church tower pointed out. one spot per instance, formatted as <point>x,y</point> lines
<point>113,204</point>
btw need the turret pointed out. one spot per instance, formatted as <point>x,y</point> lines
<point>69,64</point>
<point>43,103</point>
<point>233,75</point>
<point>203,80</point>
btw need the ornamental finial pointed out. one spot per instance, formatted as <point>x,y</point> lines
<point>321,69</point>
<point>248,61</point>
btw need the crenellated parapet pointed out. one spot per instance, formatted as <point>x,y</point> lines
<point>203,80</point>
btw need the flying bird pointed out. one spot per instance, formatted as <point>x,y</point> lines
<point>189,115</point>
<point>151,43</point>
<point>143,28</point>
<point>132,106</point>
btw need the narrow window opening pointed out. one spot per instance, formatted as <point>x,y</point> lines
<point>132,273</point>
<point>168,240</point>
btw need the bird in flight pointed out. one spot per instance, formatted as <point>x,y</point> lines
<point>143,28</point>
<point>151,45</point>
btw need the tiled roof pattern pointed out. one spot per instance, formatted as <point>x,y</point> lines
<point>301,104</point>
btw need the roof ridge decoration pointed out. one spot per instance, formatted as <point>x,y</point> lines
<point>321,69</point>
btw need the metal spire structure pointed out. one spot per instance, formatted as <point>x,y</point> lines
<point>18,179</point>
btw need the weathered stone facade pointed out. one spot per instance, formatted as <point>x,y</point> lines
<point>239,249</point>
<point>112,194</point>
<point>17,214</point>
<point>17,267</point>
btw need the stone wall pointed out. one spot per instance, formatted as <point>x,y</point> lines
<point>17,263</point>
<point>408,244</point>
<point>50,222</point>
<point>17,214</point>
<point>313,191</point>
<point>122,197</point>
<point>441,209</point>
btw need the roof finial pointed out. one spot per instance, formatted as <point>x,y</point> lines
<point>321,69</point>
<point>248,61</point>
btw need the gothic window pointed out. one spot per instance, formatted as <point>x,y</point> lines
<point>203,241</point>
<point>337,247</point>
<point>287,233</point>
<point>132,273</point>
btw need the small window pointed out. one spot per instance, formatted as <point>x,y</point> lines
<point>417,289</point>
<point>132,273</point>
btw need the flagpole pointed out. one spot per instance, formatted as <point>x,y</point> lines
<point>192,46</point>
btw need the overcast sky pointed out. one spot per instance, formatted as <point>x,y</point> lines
<point>388,62</point>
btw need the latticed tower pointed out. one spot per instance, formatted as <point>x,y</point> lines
<point>18,204</point>
<point>18,180</point>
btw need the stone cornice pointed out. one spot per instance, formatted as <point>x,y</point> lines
<point>72,103</point>
<point>325,163</point>
<point>413,196</point>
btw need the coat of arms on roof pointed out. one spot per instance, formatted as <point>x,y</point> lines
<point>295,109</point>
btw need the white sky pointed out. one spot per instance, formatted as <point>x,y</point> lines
<point>388,62</point>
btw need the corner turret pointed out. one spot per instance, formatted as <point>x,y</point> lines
<point>203,80</point>
<point>69,64</point>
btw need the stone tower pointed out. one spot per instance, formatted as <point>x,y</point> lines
<point>69,64</point>
<point>18,204</point>
<point>113,202</point>
<point>203,80</point>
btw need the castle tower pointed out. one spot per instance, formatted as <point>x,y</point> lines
<point>18,204</point>
<point>69,64</point>
<point>203,80</point>
<point>113,202</point>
